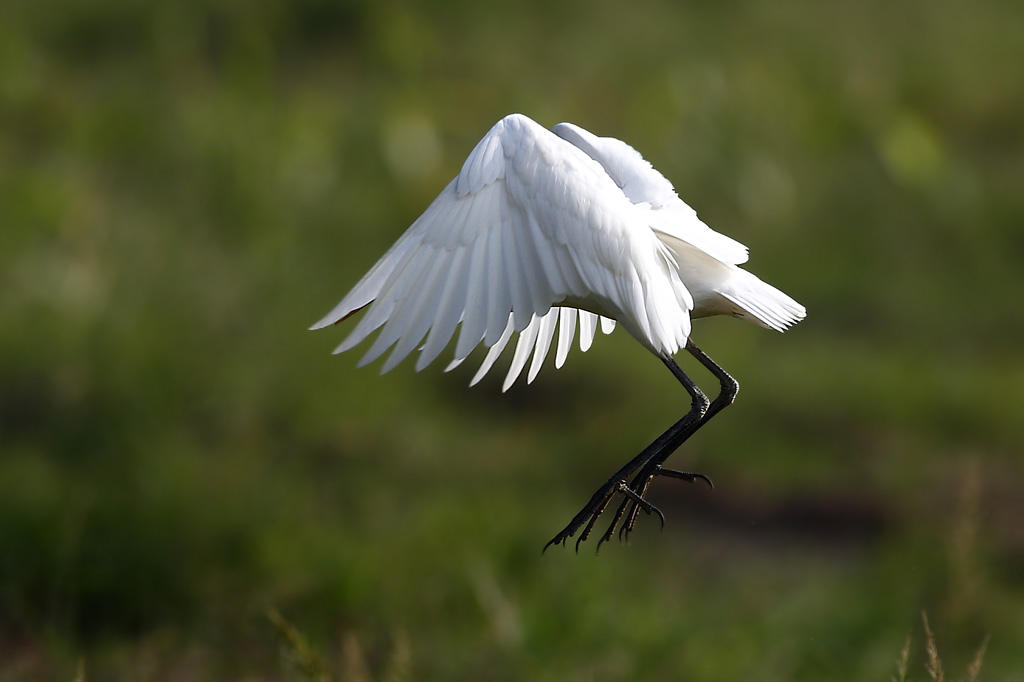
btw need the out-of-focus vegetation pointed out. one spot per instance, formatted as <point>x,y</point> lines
<point>185,187</point>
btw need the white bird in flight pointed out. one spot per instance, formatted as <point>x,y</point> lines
<point>543,229</point>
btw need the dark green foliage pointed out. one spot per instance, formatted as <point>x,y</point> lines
<point>186,186</point>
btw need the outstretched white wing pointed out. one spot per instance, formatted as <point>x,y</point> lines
<point>530,222</point>
<point>642,184</point>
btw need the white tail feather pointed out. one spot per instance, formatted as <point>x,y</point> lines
<point>760,302</point>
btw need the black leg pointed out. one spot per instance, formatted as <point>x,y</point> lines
<point>729,388</point>
<point>660,449</point>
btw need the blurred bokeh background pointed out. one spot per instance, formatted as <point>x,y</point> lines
<point>186,186</point>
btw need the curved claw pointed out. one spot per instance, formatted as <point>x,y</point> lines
<point>687,476</point>
<point>661,516</point>
<point>553,541</point>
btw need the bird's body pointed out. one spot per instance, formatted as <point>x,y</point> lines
<point>543,229</point>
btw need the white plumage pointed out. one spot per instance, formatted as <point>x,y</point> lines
<point>543,229</point>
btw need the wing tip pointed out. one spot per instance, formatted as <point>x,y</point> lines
<point>332,318</point>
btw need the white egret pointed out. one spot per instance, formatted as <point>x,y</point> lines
<point>542,230</point>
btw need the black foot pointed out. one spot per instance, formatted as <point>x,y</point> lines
<point>641,483</point>
<point>634,503</point>
<point>593,510</point>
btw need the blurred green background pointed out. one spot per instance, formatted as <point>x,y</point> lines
<point>185,187</point>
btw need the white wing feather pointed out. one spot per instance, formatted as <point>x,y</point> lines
<point>530,222</point>
<point>538,334</point>
<point>639,181</point>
